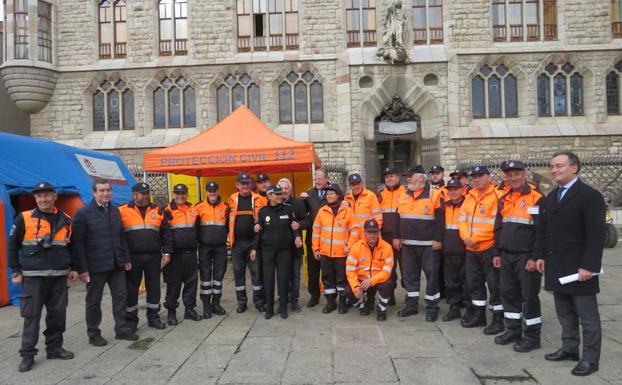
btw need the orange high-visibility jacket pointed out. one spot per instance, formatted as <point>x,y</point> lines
<point>332,233</point>
<point>233,212</point>
<point>422,219</point>
<point>478,218</point>
<point>520,231</point>
<point>213,222</point>
<point>365,207</point>
<point>182,225</point>
<point>143,234</point>
<point>389,200</point>
<point>363,263</point>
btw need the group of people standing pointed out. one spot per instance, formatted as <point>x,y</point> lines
<point>465,238</point>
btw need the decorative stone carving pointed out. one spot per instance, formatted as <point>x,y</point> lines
<point>397,112</point>
<point>393,49</point>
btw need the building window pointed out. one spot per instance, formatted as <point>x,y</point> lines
<point>173,27</point>
<point>305,104</point>
<point>235,91</point>
<point>613,89</point>
<point>494,93</point>
<point>524,20</point>
<point>427,19</point>
<point>113,107</point>
<point>174,104</point>
<point>560,90</point>
<point>616,18</point>
<point>267,25</point>
<point>361,22</point>
<point>112,29</point>
<point>21,29</point>
<point>44,29</point>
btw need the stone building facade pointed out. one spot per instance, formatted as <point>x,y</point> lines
<point>576,44</point>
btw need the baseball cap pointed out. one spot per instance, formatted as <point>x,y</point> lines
<point>274,189</point>
<point>354,178</point>
<point>389,170</point>
<point>244,178</point>
<point>371,226</point>
<point>262,178</point>
<point>211,186</point>
<point>437,168</point>
<point>43,186</point>
<point>180,188</point>
<point>479,170</point>
<point>513,165</point>
<point>141,187</point>
<point>454,183</point>
<point>416,169</point>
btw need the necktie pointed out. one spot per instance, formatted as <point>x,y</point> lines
<point>560,191</point>
<point>320,193</point>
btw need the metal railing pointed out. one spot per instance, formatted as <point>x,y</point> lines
<point>602,172</point>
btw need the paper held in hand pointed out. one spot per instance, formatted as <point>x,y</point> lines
<point>575,277</point>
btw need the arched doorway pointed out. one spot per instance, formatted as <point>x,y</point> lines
<point>397,141</point>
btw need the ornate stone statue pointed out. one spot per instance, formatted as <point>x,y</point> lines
<point>392,39</point>
<point>397,112</point>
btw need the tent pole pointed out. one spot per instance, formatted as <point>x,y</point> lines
<point>313,170</point>
<point>199,188</point>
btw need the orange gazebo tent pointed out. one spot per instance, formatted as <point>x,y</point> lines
<point>240,142</point>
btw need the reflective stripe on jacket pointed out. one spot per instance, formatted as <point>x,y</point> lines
<point>213,222</point>
<point>478,218</point>
<point>520,216</point>
<point>257,203</point>
<point>332,233</point>
<point>142,234</point>
<point>182,221</point>
<point>421,217</point>
<point>363,263</point>
<point>364,207</point>
<point>34,259</point>
<point>389,200</point>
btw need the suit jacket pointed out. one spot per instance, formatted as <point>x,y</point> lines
<point>312,204</point>
<point>575,237</point>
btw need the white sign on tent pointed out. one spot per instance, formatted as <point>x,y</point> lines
<point>100,168</point>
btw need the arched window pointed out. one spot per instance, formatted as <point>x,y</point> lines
<point>494,93</point>
<point>560,90</point>
<point>112,29</point>
<point>113,107</point>
<point>235,91</point>
<point>305,104</point>
<point>613,89</point>
<point>173,16</point>
<point>267,25</point>
<point>174,104</point>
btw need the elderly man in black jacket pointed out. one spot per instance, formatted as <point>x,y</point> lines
<point>575,219</point>
<point>300,215</point>
<point>99,244</point>
<point>313,199</point>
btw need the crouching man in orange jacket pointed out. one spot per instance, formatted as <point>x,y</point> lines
<point>368,269</point>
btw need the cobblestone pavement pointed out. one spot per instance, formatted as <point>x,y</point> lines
<point>311,348</point>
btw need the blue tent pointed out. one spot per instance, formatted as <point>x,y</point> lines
<point>25,161</point>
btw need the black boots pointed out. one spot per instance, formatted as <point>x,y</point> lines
<point>452,314</point>
<point>156,323</point>
<point>207,309</point>
<point>216,308</point>
<point>411,308</point>
<point>171,318</point>
<point>314,300</point>
<point>508,337</point>
<point>496,325</point>
<point>343,307</point>
<point>27,363</point>
<point>477,319</point>
<point>192,314</point>
<point>331,305</point>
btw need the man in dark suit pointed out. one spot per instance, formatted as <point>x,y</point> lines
<point>574,225</point>
<point>314,199</point>
<point>98,242</point>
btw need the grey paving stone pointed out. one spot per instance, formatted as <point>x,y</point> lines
<point>434,371</point>
<point>309,367</point>
<point>363,364</point>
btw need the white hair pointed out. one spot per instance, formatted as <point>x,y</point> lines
<point>285,180</point>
